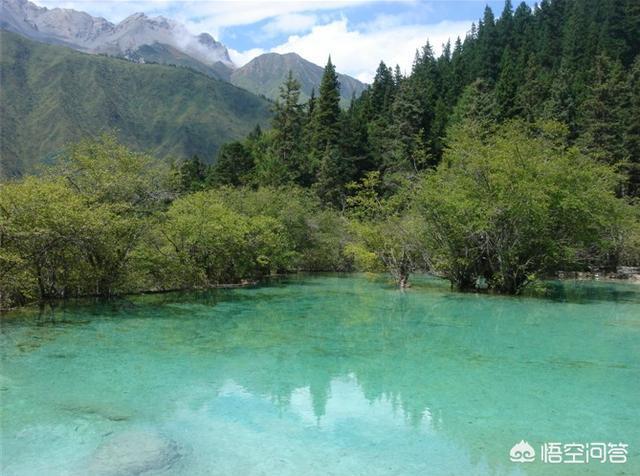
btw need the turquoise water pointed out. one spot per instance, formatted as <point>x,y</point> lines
<point>327,375</point>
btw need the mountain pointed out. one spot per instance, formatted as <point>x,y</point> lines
<point>58,26</point>
<point>138,37</point>
<point>52,95</point>
<point>143,39</point>
<point>264,75</point>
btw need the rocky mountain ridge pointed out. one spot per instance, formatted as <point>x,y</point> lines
<point>90,34</point>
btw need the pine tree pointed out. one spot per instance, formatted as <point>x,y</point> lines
<point>507,86</point>
<point>548,19</point>
<point>193,174</point>
<point>307,147</point>
<point>405,130</point>
<point>522,24</point>
<point>632,30</point>
<point>287,126</point>
<point>233,165</point>
<point>457,74</point>
<point>612,39</point>
<point>561,105</point>
<point>505,24</point>
<point>382,90</point>
<point>255,134</point>
<point>475,111</point>
<point>527,64</point>
<point>397,77</point>
<point>426,87</point>
<point>354,141</point>
<point>311,103</point>
<point>333,174</point>
<point>575,55</point>
<point>436,138</point>
<point>533,92</point>
<point>325,123</point>
<point>488,52</point>
<point>602,113</point>
<point>330,167</point>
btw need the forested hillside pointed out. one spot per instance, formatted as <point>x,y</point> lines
<point>52,96</point>
<point>575,61</point>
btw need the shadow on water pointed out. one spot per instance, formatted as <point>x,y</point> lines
<point>80,311</point>
<point>588,291</point>
<point>565,291</point>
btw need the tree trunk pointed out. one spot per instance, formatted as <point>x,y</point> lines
<point>403,281</point>
<point>402,274</point>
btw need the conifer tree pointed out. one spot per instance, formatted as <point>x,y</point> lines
<point>507,86</point>
<point>426,86</point>
<point>331,169</point>
<point>193,174</point>
<point>311,103</point>
<point>405,130</point>
<point>632,30</point>
<point>561,105</point>
<point>325,123</point>
<point>505,24</point>
<point>488,52</point>
<point>532,92</point>
<point>382,93</point>
<point>287,126</point>
<point>354,141</point>
<point>602,113</point>
<point>476,111</point>
<point>233,165</point>
<point>382,90</point>
<point>334,173</point>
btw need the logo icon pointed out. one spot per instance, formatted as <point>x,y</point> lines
<point>522,452</point>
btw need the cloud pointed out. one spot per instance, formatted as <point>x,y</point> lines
<point>358,52</point>
<point>289,23</point>
<point>203,15</point>
<point>241,58</point>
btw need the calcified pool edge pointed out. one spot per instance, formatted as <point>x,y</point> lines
<point>321,375</point>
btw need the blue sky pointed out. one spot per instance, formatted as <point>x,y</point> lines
<point>357,33</point>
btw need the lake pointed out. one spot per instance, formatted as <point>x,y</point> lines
<point>322,375</point>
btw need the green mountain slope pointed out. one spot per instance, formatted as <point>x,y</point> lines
<point>264,75</point>
<point>51,95</point>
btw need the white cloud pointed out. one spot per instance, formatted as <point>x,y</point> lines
<point>358,53</point>
<point>203,15</point>
<point>289,23</point>
<point>241,58</point>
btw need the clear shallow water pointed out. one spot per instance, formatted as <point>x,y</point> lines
<point>321,375</point>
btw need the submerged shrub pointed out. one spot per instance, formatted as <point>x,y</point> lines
<point>204,242</point>
<point>518,204</point>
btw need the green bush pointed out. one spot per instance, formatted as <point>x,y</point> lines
<point>518,204</point>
